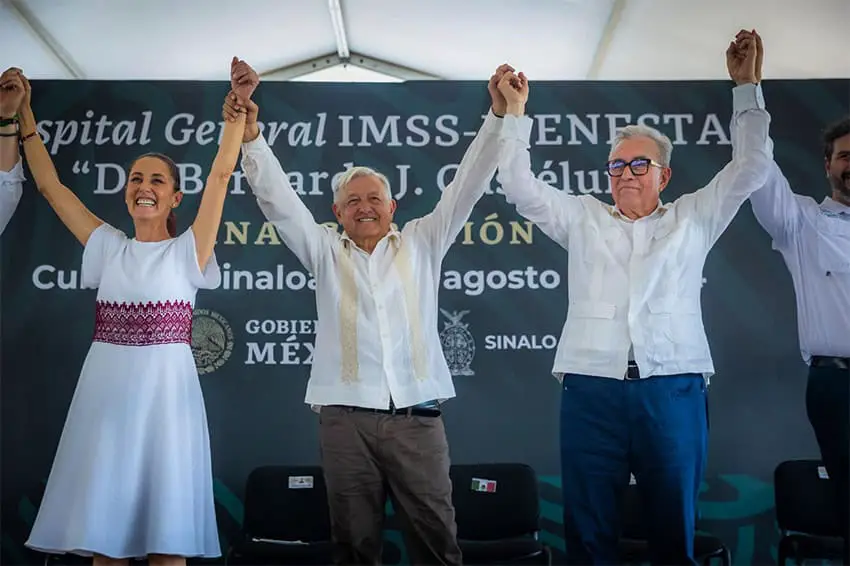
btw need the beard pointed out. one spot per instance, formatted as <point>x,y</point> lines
<point>841,185</point>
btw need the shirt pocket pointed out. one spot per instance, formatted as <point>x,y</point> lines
<point>672,240</point>
<point>675,326</point>
<point>833,246</point>
<point>590,324</point>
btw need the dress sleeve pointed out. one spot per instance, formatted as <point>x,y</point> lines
<point>104,244</point>
<point>210,276</point>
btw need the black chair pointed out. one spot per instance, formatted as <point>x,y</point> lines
<point>634,546</point>
<point>806,512</point>
<point>286,518</point>
<point>497,510</point>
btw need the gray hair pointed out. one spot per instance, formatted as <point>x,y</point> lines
<point>354,173</point>
<point>665,146</point>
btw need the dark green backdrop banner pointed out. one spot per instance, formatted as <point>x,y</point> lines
<point>503,298</point>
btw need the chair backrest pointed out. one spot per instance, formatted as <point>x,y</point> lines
<point>633,514</point>
<point>806,501</point>
<point>495,501</point>
<point>287,503</point>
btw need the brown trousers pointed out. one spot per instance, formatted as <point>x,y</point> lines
<point>367,456</point>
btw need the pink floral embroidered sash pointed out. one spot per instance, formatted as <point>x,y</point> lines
<point>143,324</point>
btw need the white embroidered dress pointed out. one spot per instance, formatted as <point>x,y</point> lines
<point>132,473</point>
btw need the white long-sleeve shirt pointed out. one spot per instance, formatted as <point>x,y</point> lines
<point>11,189</point>
<point>637,284</point>
<point>377,331</point>
<point>814,240</point>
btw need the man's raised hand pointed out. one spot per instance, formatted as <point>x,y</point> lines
<point>514,87</point>
<point>12,92</point>
<point>742,58</point>
<point>500,105</point>
<point>243,80</point>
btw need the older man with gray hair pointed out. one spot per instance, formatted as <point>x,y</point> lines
<point>633,356</point>
<point>379,374</point>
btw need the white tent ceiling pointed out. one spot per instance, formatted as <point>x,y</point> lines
<point>411,39</point>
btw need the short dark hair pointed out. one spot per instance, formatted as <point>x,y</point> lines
<point>171,222</point>
<point>834,131</point>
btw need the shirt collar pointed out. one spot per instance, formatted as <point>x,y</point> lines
<point>659,210</point>
<point>830,205</point>
<point>394,236</point>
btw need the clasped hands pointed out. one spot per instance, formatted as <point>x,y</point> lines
<point>14,92</point>
<point>744,60</point>
<point>508,89</point>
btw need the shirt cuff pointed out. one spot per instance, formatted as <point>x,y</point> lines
<point>492,123</point>
<point>259,143</point>
<point>747,96</point>
<point>516,128</point>
<point>16,175</point>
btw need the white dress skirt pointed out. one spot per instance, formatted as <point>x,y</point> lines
<point>132,475</point>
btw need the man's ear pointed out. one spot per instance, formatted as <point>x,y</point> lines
<point>666,173</point>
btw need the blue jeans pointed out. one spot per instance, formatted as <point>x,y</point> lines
<point>654,428</point>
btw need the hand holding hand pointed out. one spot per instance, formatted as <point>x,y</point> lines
<point>243,80</point>
<point>515,90</point>
<point>13,91</point>
<point>742,60</point>
<point>739,42</point>
<point>499,104</point>
<point>233,107</point>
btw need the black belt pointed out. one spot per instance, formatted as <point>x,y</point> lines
<point>407,411</point>
<point>632,371</point>
<point>830,362</point>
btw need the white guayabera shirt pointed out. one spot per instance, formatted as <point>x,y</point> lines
<point>377,332</point>
<point>636,285</point>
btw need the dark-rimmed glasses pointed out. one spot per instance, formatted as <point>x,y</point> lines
<point>638,165</point>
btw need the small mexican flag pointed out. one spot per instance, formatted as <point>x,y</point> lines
<point>488,486</point>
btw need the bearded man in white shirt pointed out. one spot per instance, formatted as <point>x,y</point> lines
<point>633,356</point>
<point>379,374</point>
<point>11,165</point>
<point>814,240</point>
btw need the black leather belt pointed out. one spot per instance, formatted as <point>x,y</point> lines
<point>830,362</point>
<point>407,411</point>
<point>632,372</point>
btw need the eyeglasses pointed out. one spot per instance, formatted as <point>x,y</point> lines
<point>638,165</point>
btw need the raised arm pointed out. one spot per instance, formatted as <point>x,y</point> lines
<point>473,175</point>
<point>549,208</point>
<point>67,206</point>
<point>716,204</point>
<point>276,197</point>
<point>208,219</point>
<point>11,169</point>
<point>775,205</point>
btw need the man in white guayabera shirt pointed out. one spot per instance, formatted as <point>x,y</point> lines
<point>378,372</point>
<point>11,165</point>
<point>814,240</point>
<point>633,356</point>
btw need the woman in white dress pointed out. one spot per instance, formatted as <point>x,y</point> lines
<point>132,475</point>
